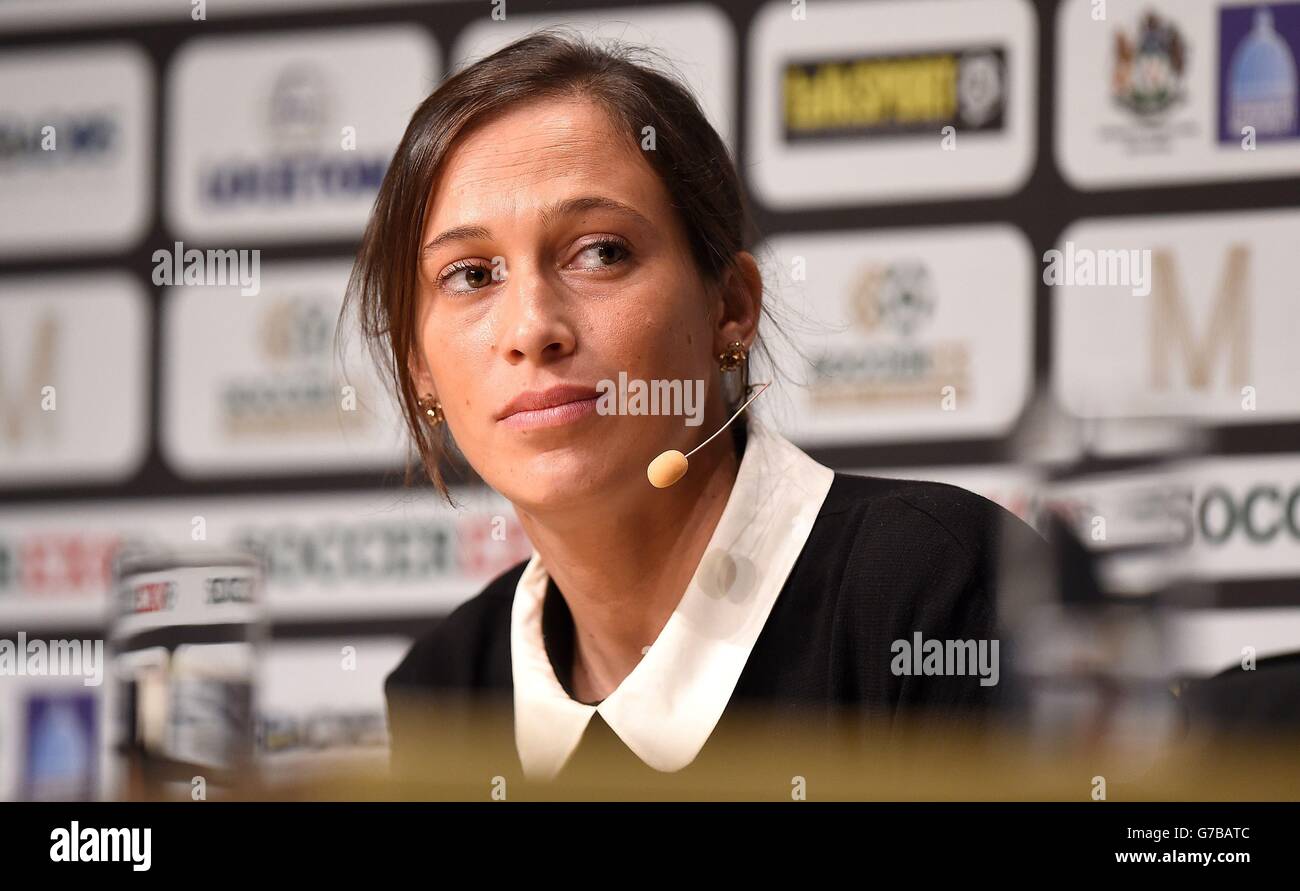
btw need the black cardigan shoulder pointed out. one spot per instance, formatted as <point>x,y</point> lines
<point>888,560</point>
<point>467,649</point>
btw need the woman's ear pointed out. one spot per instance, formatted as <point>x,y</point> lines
<point>741,301</point>
<point>421,379</point>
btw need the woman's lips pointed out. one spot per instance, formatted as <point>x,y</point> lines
<point>552,416</point>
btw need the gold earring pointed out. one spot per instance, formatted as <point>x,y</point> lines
<point>432,409</point>
<point>734,358</point>
<point>731,358</point>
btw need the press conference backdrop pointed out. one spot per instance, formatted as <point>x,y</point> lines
<point>912,164</point>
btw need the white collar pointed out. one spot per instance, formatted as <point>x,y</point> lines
<point>667,707</point>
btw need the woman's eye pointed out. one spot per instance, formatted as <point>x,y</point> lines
<point>604,253</point>
<point>472,275</point>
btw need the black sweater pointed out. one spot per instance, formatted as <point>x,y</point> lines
<point>886,559</point>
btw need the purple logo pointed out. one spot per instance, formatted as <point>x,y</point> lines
<point>62,750</point>
<point>1258,84</point>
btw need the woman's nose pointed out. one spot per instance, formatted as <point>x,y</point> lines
<point>535,324</point>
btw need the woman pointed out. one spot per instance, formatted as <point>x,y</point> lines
<point>558,215</point>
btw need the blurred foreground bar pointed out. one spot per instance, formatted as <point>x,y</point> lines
<point>467,755</point>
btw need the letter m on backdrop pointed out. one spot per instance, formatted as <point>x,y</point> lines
<point>1227,331</point>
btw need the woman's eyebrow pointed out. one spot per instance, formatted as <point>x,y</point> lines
<point>458,233</point>
<point>549,215</point>
<point>589,202</point>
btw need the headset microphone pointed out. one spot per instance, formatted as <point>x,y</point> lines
<point>672,465</point>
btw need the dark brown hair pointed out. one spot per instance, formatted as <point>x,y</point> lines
<point>689,157</point>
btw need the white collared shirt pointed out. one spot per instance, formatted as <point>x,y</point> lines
<point>665,710</point>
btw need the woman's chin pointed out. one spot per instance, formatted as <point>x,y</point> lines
<point>567,478</point>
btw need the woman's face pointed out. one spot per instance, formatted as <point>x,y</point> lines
<point>552,261</point>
